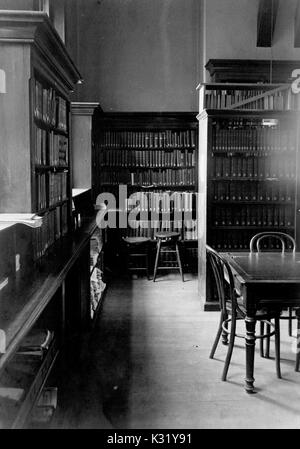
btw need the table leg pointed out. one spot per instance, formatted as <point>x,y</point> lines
<point>250,350</point>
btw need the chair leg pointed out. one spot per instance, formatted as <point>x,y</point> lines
<point>230,347</point>
<point>290,321</point>
<point>298,341</point>
<point>156,259</point>
<point>261,344</point>
<point>217,339</point>
<point>267,353</point>
<point>277,347</point>
<point>179,262</point>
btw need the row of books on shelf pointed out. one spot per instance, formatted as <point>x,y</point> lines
<point>255,167</point>
<point>253,215</point>
<point>269,99</point>
<point>54,226</point>
<point>251,136</point>
<point>148,158</point>
<point>160,177</point>
<point>162,201</point>
<point>253,191</point>
<point>149,228</point>
<point>149,139</point>
<point>225,240</point>
<point>49,107</point>
<point>51,148</point>
<point>51,188</point>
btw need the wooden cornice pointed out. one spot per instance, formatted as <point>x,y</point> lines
<point>35,28</point>
<point>266,19</point>
<point>250,70</point>
<point>297,26</point>
<point>83,108</point>
<point>144,120</point>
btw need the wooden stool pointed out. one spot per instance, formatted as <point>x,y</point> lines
<point>168,239</point>
<point>140,248</point>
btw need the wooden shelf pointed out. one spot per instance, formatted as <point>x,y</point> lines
<point>256,228</point>
<point>36,387</point>
<point>147,167</point>
<point>21,308</point>
<point>245,178</point>
<point>52,167</point>
<point>253,202</point>
<point>170,187</point>
<point>129,148</point>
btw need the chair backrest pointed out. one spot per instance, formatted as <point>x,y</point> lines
<point>224,281</point>
<point>286,242</point>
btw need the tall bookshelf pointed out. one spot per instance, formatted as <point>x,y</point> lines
<point>155,156</point>
<point>35,114</point>
<point>248,168</point>
<point>42,307</point>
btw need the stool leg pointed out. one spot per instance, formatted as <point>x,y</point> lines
<point>179,261</point>
<point>156,259</point>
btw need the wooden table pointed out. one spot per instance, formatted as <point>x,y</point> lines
<point>269,280</point>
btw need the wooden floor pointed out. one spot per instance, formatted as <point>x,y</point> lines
<point>147,367</point>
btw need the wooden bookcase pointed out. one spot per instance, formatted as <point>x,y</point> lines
<point>248,168</point>
<point>35,156</point>
<point>37,77</point>
<point>154,154</point>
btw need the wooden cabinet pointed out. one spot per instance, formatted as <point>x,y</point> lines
<point>248,168</point>
<point>44,272</point>
<point>35,153</point>
<point>52,297</point>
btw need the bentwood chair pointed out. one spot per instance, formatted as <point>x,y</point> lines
<point>270,241</point>
<point>232,310</point>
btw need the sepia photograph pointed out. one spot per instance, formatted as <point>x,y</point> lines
<point>149,217</point>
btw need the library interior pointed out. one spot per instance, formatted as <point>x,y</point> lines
<point>149,214</point>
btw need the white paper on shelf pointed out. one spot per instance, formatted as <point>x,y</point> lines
<point>2,341</point>
<point>31,220</point>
